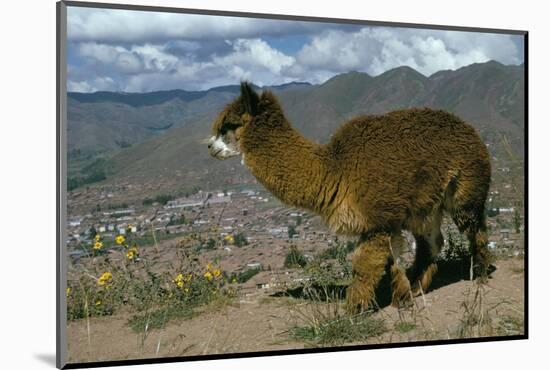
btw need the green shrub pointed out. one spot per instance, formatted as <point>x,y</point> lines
<point>177,220</point>
<point>295,258</point>
<point>404,326</point>
<point>240,240</point>
<point>162,199</point>
<point>244,276</point>
<point>456,250</point>
<point>291,231</point>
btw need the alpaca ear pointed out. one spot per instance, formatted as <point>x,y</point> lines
<point>249,99</point>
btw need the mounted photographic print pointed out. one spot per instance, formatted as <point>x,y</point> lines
<point>234,184</point>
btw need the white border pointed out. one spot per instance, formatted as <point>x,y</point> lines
<point>28,182</point>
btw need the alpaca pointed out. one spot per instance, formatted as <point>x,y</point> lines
<point>378,175</point>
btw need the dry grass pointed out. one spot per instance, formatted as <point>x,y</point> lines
<point>481,319</point>
<point>326,326</point>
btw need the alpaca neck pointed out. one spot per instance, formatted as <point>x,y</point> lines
<point>286,163</point>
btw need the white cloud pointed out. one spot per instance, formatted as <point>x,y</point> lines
<point>151,67</point>
<point>93,85</point>
<point>118,57</point>
<point>335,50</point>
<point>154,57</point>
<point>375,50</point>
<point>495,46</point>
<point>135,59</point>
<point>112,26</point>
<point>141,51</point>
<point>254,55</point>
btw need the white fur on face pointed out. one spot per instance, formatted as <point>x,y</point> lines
<point>222,149</point>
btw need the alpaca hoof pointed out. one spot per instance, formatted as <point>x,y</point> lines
<point>359,297</point>
<point>401,288</point>
<point>402,298</point>
<point>402,304</point>
<point>418,289</point>
<point>402,295</point>
<point>480,273</point>
<point>481,277</point>
<point>402,301</point>
<point>423,282</point>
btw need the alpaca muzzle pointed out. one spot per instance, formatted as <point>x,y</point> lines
<point>220,150</point>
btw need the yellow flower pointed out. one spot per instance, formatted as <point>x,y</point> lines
<point>68,290</point>
<point>186,290</point>
<point>208,275</point>
<point>105,278</point>
<point>209,266</point>
<point>229,238</point>
<point>217,273</point>
<point>132,253</point>
<point>98,302</point>
<point>120,239</point>
<point>179,280</point>
<point>97,237</point>
<point>98,245</point>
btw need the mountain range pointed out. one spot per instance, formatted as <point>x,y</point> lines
<point>157,134</point>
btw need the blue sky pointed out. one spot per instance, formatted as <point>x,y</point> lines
<point>136,51</point>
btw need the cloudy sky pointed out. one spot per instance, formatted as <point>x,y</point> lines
<point>135,51</point>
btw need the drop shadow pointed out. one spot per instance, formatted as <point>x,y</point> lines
<point>46,358</point>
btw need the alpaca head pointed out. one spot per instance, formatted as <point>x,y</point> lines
<point>227,128</point>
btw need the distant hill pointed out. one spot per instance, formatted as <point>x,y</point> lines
<point>102,122</point>
<point>157,135</point>
<point>489,95</point>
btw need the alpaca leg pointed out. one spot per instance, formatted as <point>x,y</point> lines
<point>481,257</point>
<point>369,263</point>
<point>400,285</point>
<point>424,267</point>
<point>467,207</point>
<point>476,230</point>
<point>427,249</point>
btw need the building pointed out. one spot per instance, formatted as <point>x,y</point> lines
<point>120,212</point>
<point>75,222</point>
<point>505,233</point>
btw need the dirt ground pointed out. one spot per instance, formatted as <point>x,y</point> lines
<point>259,322</point>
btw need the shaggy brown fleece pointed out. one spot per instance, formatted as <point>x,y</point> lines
<point>378,175</point>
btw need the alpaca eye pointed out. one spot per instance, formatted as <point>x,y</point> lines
<point>228,127</point>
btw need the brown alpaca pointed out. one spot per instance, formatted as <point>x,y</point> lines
<point>378,175</point>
